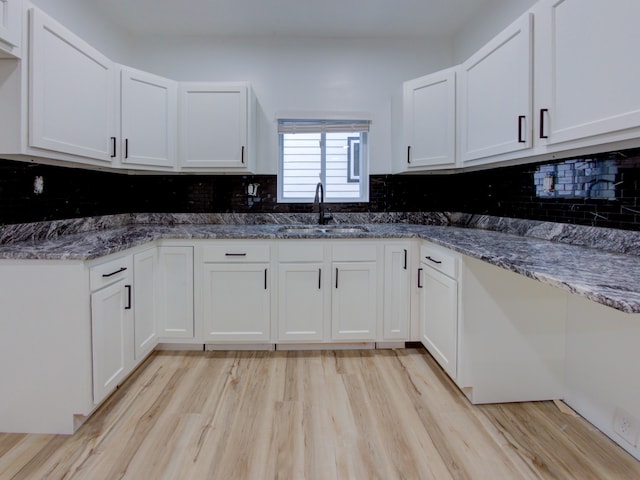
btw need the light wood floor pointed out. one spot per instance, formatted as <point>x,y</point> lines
<point>312,415</point>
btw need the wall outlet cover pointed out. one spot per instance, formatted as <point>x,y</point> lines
<point>627,426</point>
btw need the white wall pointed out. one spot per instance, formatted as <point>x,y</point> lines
<point>487,25</point>
<point>303,74</point>
<point>603,365</point>
<point>89,25</point>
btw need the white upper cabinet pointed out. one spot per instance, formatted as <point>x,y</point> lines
<point>71,95</point>
<point>429,121</point>
<point>216,127</point>
<point>496,96</point>
<point>10,27</point>
<point>149,110</point>
<point>587,71</point>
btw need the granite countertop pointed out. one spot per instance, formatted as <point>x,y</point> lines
<point>606,277</point>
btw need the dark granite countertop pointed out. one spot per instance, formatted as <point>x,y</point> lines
<point>606,277</point>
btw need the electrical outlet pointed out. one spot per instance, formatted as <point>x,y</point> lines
<point>625,425</point>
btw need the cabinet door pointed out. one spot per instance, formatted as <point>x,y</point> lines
<point>71,94</point>
<point>397,292</point>
<point>586,68</point>
<point>144,298</point>
<point>112,347</point>
<point>175,292</point>
<point>353,301</point>
<point>214,126</point>
<point>429,121</point>
<point>496,95</point>
<point>439,318</point>
<point>149,116</point>
<point>237,302</point>
<point>301,301</point>
<point>10,24</point>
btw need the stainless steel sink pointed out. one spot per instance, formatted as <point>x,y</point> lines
<point>326,230</point>
<point>351,229</point>
<point>301,230</point>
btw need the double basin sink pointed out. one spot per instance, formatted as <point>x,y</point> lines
<point>322,229</point>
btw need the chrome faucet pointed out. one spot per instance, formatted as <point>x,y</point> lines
<point>323,218</point>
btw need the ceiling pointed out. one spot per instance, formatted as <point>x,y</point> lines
<point>325,18</point>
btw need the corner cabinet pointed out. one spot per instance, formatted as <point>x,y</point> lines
<point>148,116</point>
<point>397,291</point>
<point>496,89</point>
<point>216,127</point>
<point>429,104</point>
<point>175,299</point>
<point>71,94</point>
<point>10,28</point>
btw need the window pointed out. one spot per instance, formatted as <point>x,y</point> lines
<point>333,152</point>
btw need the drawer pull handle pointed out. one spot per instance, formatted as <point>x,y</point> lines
<point>107,275</point>
<point>419,278</point>
<point>235,254</point>
<point>128,287</point>
<point>433,260</point>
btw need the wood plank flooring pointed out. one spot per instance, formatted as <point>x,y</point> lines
<point>372,414</point>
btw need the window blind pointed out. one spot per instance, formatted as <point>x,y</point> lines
<point>322,126</point>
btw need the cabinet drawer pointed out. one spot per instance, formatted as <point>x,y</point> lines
<point>355,252</point>
<point>439,258</point>
<point>236,253</point>
<point>289,251</point>
<point>110,272</point>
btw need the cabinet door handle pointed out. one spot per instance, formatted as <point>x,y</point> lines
<point>319,279</point>
<point>242,155</point>
<point>128,287</point>
<point>113,147</point>
<point>405,258</point>
<point>107,275</point>
<point>265,278</point>
<point>235,254</point>
<point>336,278</point>
<point>543,112</point>
<point>521,118</point>
<point>126,148</point>
<point>433,260</point>
<point>409,154</point>
<point>419,278</point>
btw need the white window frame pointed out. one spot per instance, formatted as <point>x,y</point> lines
<point>323,126</point>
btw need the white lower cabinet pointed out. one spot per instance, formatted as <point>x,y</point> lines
<point>354,301</point>
<point>145,266</point>
<point>111,325</point>
<point>301,301</point>
<point>439,306</point>
<point>175,292</point>
<point>397,291</point>
<point>236,292</point>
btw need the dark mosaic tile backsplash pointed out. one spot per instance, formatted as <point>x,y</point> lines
<point>600,190</point>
